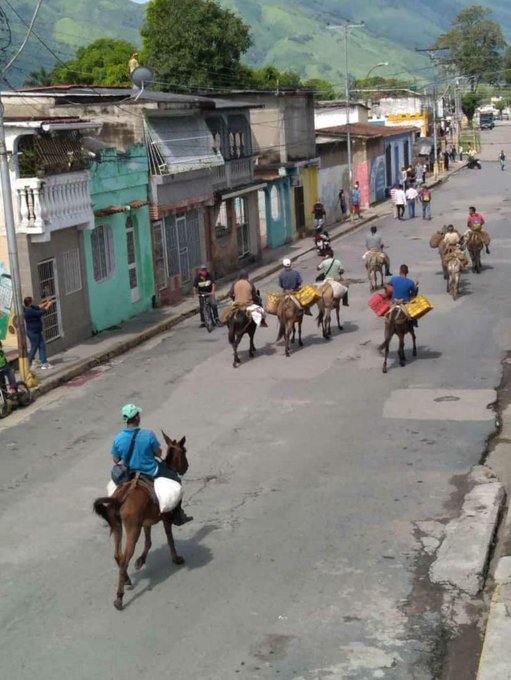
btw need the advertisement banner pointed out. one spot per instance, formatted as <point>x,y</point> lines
<point>5,304</point>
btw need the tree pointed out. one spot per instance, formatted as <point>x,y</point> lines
<point>507,67</point>
<point>269,78</point>
<point>103,62</point>
<point>40,78</point>
<point>500,105</point>
<point>323,88</point>
<point>475,45</point>
<point>194,43</point>
<point>469,103</point>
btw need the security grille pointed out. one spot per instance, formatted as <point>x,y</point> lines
<point>103,256</point>
<point>171,242</point>
<point>72,271</point>
<point>132,259</point>
<point>183,248</point>
<point>242,229</point>
<point>48,288</point>
<point>184,262</point>
<point>159,255</point>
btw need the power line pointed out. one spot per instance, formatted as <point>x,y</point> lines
<point>25,40</point>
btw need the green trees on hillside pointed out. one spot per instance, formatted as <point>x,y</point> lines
<point>194,43</point>
<point>475,45</point>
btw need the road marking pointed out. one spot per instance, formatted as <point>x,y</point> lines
<point>440,404</point>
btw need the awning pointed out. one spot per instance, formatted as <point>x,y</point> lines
<point>242,192</point>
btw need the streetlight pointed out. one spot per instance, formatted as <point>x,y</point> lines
<point>379,65</point>
<point>346,29</point>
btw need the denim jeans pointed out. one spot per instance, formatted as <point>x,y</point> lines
<point>426,211</point>
<point>37,343</point>
<point>411,208</point>
<point>8,372</point>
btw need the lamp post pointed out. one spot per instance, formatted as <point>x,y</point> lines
<point>379,65</point>
<point>14,266</point>
<point>346,28</point>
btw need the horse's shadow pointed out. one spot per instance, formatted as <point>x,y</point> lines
<point>159,566</point>
<point>422,353</point>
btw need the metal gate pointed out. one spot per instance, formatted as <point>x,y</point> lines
<point>48,289</point>
<point>299,208</point>
<point>132,259</point>
<point>182,240</point>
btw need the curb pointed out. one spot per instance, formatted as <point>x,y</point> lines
<point>163,326</point>
<point>495,659</point>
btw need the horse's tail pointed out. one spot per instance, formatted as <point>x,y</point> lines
<point>320,316</point>
<point>108,508</point>
<point>282,326</point>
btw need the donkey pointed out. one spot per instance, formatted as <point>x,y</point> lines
<point>475,245</point>
<point>240,322</point>
<point>290,315</point>
<point>132,508</point>
<point>397,323</point>
<point>326,304</point>
<point>374,261</point>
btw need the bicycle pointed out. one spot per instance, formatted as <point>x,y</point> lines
<point>10,400</point>
<point>206,309</point>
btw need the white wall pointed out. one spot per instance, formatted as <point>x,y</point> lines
<point>330,183</point>
<point>334,116</point>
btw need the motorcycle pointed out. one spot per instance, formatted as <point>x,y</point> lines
<point>322,240</point>
<point>12,400</point>
<point>474,163</point>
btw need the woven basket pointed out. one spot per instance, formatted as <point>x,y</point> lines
<point>307,295</point>
<point>272,302</point>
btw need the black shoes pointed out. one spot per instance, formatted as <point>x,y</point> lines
<point>179,517</point>
<point>487,250</point>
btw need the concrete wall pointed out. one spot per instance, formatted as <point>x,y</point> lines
<point>325,117</point>
<point>310,180</point>
<point>331,180</point>
<point>284,130</point>
<point>117,180</point>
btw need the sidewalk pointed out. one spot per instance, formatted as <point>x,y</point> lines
<point>111,343</point>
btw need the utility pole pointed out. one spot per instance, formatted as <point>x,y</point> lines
<point>346,28</point>
<point>12,245</point>
<point>429,52</point>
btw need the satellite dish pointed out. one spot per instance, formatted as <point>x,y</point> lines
<point>142,76</point>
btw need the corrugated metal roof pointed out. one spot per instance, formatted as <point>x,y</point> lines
<point>366,130</point>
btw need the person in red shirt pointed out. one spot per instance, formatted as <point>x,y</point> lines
<point>476,222</point>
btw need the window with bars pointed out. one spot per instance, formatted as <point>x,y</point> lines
<point>103,256</point>
<point>48,289</point>
<point>242,229</point>
<point>72,271</point>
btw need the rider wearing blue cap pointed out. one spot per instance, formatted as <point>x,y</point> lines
<point>146,450</point>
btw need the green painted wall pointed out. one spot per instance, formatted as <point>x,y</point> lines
<point>117,180</point>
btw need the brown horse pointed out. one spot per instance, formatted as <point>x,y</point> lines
<point>290,315</point>
<point>326,303</point>
<point>374,261</point>
<point>397,323</point>
<point>131,508</point>
<point>455,262</point>
<point>240,322</point>
<point>475,245</point>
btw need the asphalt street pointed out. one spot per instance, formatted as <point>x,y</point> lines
<point>315,482</point>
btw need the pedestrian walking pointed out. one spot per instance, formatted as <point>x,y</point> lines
<point>425,199</point>
<point>461,152</point>
<point>502,159</point>
<point>424,172</point>
<point>342,204</point>
<point>453,153</point>
<point>34,321</point>
<point>446,160</point>
<point>411,199</point>
<point>400,202</point>
<point>355,200</point>
<point>393,193</point>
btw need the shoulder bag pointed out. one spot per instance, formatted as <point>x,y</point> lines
<point>121,471</point>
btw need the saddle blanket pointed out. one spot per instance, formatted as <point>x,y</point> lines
<point>257,313</point>
<point>168,492</point>
<point>337,287</point>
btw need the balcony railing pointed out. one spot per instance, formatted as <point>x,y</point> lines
<point>55,202</point>
<point>234,173</point>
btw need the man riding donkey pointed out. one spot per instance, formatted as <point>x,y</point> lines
<point>475,224</point>
<point>245,296</point>
<point>375,258</point>
<point>453,258</point>
<point>290,280</point>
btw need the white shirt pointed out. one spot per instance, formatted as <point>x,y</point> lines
<point>411,194</point>
<point>400,197</point>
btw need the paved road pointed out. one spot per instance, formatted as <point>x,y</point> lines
<point>316,484</point>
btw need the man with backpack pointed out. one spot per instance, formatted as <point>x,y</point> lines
<point>425,199</point>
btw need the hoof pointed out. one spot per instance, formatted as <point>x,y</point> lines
<point>129,586</point>
<point>384,369</point>
<point>178,560</point>
<point>118,604</point>
<point>139,563</point>
<point>341,328</point>
<point>300,343</point>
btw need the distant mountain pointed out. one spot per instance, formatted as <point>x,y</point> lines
<point>287,33</point>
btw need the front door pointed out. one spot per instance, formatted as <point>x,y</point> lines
<point>132,259</point>
<point>182,240</point>
<point>49,289</point>
<point>299,209</point>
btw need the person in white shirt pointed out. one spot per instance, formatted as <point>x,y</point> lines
<point>400,202</point>
<point>411,199</point>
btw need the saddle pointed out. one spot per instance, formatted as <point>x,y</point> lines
<point>144,482</point>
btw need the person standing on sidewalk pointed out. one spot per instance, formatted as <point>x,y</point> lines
<point>425,199</point>
<point>411,198</point>
<point>400,202</point>
<point>34,321</point>
<point>502,159</point>
<point>342,204</point>
<point>461,152</point>
<point>355,200</point>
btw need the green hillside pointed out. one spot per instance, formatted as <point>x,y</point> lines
<point>287,33</point>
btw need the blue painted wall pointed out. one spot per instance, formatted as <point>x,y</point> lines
<point>279,223</point>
